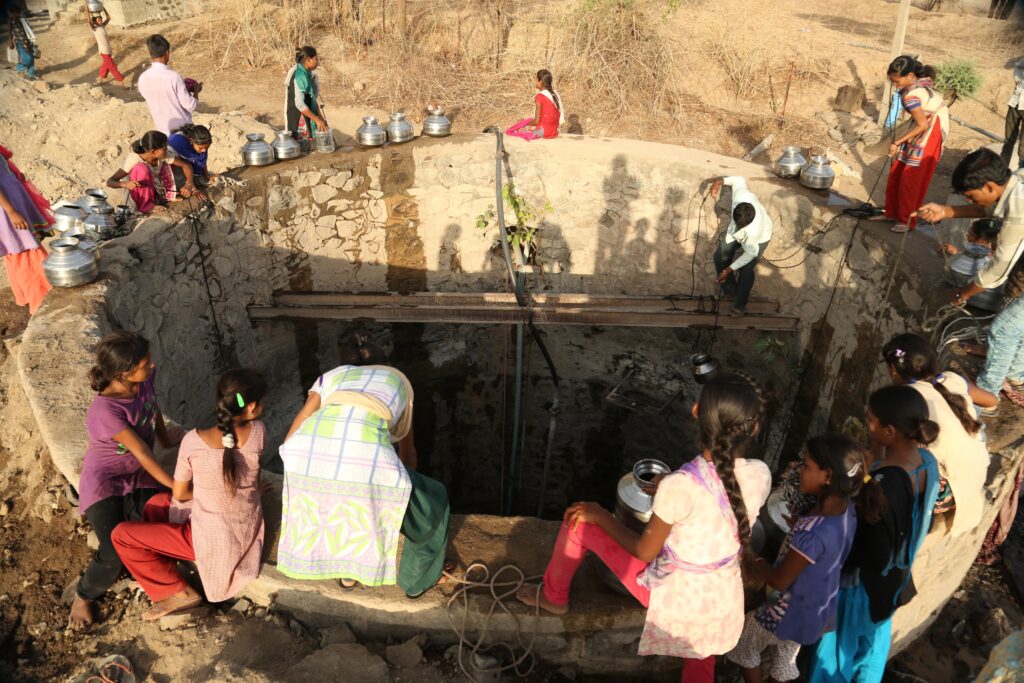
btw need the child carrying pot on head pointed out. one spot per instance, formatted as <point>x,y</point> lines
<point>146,173</point>
<point>547,113</point>
<point>219,472</point>
<point>97,18</point>
<point>685,567</point>
<point>804,583</point>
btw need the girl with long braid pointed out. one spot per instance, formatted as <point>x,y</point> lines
<point>686,565</point>
<point>548,112</point>
<point>219,472</point>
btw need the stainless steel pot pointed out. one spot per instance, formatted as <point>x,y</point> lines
<point>963,268</point>
<point>371,133</point>
<point>101,221</point>
<point>256,152</point>
<point>437,124</point>
<point>704,367</point>
<point>790,163</point>
<point>94,197</point>
<point>324,140</point>
<point>399,130</point>
<point>68,265</point>
<point>817,174</point>
<point>285,146</point>
<point>68,217</point>
<point>632,503</point>
<point>94,6</point>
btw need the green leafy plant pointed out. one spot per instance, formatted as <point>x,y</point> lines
<point>958,78</point>
<point>522,232</point>
<point>769,345</point>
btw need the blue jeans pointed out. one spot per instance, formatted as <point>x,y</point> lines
<point>1005,348</point>
<point>26,61</point>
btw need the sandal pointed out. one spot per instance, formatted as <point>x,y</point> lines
<point>900,228</point>
<point>448,568</point>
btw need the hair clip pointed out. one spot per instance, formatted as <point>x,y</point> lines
<point>241,401</point>
<point>853,470</point>
<point>899,353</point>
<point>228,441</point>
<point>867,478</point>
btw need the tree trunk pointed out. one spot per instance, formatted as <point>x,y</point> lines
<point>401,17</point>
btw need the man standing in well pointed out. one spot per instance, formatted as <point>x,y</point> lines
<point>743,243</point>
<point>170,101</point>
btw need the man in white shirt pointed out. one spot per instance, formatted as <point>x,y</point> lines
<point>743,243</point>
<point>170,102</point>
<point>985,179</point>
<point>1015,117</point>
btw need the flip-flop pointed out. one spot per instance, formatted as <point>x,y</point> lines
<point>1015,397</point>
<point>448,568</point>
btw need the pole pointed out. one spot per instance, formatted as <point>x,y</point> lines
<point>897,49</point>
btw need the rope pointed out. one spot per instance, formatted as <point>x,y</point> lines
<point>195,221</point>
<point>499,590</point>
<point>888,287</point>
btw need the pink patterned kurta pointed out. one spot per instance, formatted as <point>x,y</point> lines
<point>227,530</point>
<point>696,614</point>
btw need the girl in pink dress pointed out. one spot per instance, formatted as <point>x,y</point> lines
<point>685,567</point>
<point>547,112</point>
<point>219,472</point>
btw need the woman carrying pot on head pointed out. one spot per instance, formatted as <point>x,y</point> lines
<point>190,144</point>
<point>146,173</point>
<point>916,152</point>
<point>303,113</point>
<point>348,492</point>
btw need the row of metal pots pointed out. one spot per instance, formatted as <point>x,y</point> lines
<point>816,174</point>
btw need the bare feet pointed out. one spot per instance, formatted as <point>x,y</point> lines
<point>973,349</point>
<point>882,218</point>
<point>348,583</point>
<point>533,595</point>
<point>186,599</point>
<point>81,616</point>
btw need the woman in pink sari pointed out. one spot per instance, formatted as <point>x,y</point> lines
<point>547,112</point>
<point>146,173</point>
<point>24,213</point>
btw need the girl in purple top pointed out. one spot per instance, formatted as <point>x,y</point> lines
<point>804,583</point>
<point>119,473</point>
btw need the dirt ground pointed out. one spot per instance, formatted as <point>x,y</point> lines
<point>69,138</point>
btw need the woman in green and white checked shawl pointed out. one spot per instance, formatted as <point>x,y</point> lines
<point>348,493</point>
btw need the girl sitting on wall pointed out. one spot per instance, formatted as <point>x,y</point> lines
<point>191,144</point>
<point>685,567</point>
<point>150,183</point>
<point>547,113</point>
<point>960,447</point>
<point>120,476</point>
<point>218,470</point>
<point>878,571</point>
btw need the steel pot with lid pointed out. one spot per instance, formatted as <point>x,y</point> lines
<point>817,174</point>
<point>790,163</point>
<point>371,133</point>
<point>68,265</point>
<point>437,124</point>
<point>256,151</point>
<point>399,130</point>
<point>285,146</point>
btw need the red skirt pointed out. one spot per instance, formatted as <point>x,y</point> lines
<point>908,185</point>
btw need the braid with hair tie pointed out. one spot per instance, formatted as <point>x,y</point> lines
<point>226,425</point>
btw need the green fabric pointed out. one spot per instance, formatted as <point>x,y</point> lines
<point>425,529</point>
<point>305,83</point>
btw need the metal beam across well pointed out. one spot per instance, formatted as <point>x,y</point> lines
<point>573,309</point>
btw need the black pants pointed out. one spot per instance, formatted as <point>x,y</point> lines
<point>104,516</point>
<point>1014,119</point>
<point>201,181</point>
<point>741,281</point>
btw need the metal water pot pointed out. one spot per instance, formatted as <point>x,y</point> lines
<point>371,133</point>
<point>817,174</point>
<point>632,503</point>
<point>324,140</point>
<point>256,152</point>
<point>963,268</point>
<point>68,265</point>
<point>704,367</point>
<point>101,221</point>
<point>437,124</point>
<point>790,163</point>
<point>94,197</point>
<point>285,146</point>
<point>94,6</point>
<point>68,217</point>
<point>399,130</point>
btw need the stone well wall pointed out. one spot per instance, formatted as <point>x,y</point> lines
<point>622,217</point>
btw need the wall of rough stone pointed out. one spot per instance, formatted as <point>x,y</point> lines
<point>625,217</point>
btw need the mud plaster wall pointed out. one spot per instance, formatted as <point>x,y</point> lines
<point>623,220</point>
<point>620,218</point>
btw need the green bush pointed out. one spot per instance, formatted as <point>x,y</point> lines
<point>958,78</point>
